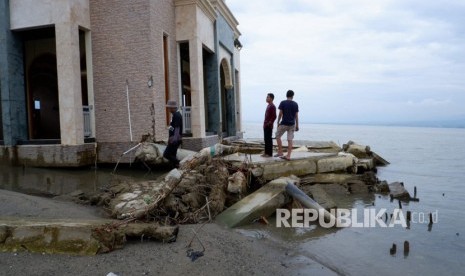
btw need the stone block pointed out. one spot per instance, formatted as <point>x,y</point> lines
<point>340,163</point>
<point>397,190</point>
<point>285,168</point>
<point>262,202</point>
<point>321,196</point>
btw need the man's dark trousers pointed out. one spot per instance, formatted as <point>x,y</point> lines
<point>170,153</point>
<point>267,133</point>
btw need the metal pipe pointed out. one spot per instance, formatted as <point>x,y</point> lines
<point>303,198</point>
<point>129,109</point>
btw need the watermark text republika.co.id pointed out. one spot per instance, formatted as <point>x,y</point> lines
<point>365,218</point>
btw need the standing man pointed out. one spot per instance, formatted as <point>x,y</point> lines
<point>175,133</point>
<point>270,117</point>
<point>288,121</point>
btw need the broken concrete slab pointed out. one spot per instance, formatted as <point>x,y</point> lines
<point>269,168</point>
<point>365,164</point>
<point>380,161</point>
<point>360,151</point>
<point>321,196</point>
<point>339,163</point>
<point>397,190</point>
<point>322,146</point>
<point>381,187</point>
<point>364,152</point>
<point>75,237</point>
<point>329,178</point>
<point>262,202</point>
<point>50,236</point>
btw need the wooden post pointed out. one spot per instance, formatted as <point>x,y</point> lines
<point>406,248</point>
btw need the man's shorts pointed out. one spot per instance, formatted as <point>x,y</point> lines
<point>282,129</point>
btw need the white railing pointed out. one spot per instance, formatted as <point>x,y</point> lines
<point>186,119</point>
<point>87,126</point>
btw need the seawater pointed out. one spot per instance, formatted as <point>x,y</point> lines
<point>433,160</point>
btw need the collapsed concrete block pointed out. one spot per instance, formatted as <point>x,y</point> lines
<point>397,190</point>
<point>329,178</point>
<point>365,164</point>
<point>287,168</point>
<point>262,202</point>
<point>237,183</point>
<point>340,163</point>
<point>360,151</point>
<point>50,237</point>
<point>83,237</point>
<point>321,196</point>
<point>301,163</point>
<point>322,146</point>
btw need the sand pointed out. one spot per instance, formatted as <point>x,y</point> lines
<point>227,252</point>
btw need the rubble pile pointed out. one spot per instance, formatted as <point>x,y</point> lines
<point>217,177</point>
<point>196,192</point>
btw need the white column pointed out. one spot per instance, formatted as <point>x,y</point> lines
<point>69,84</point>
<point>197,88</point>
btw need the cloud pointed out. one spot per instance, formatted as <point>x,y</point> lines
<point>429,102</point>
<point>344,57</point>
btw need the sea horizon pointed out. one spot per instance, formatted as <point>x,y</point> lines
<point>445,124</point>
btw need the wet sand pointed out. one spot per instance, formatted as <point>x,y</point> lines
<point>227,252</point>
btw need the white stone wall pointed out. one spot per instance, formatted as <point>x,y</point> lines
<point>205,30</point>
<point>35,13</point>
<point>67,16</point>
<point>196,27</point>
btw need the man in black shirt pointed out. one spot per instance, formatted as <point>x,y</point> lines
<point>175,133</point>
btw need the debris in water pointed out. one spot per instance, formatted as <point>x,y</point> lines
<point>393,249</point>
<point>406,248</point>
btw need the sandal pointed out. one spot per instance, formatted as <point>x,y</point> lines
<point>285,158</point>
<point>278,155</point>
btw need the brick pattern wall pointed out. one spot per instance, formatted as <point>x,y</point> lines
<point>127,44</point>
<point>163,22</point>
<point>109,153</point>
<point>196,144</point>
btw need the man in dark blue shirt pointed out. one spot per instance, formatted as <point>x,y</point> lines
<point>175,134</point>
<point>288,121</point>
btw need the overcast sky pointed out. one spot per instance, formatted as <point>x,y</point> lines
<point>354,61</point>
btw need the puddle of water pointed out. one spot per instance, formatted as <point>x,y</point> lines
<point>54,182</point>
